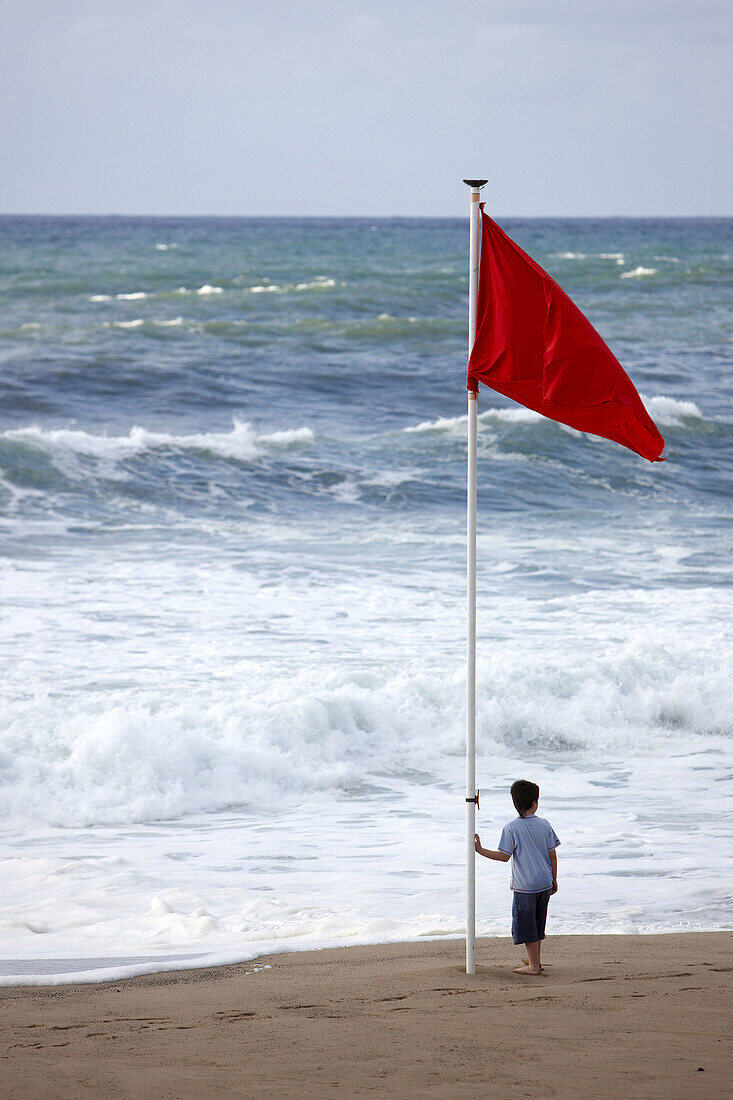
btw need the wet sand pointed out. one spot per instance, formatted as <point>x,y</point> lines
<point>613,1016</point>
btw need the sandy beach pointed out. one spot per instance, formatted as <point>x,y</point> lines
<point>632,1016</point>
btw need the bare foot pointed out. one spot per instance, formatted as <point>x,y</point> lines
<point>525,960</point>
<point>527,970</point>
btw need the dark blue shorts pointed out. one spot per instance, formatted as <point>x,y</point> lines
<point>529,916</point>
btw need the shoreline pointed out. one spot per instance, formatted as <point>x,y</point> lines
<point>125,968</point>
<point>642,1015</point>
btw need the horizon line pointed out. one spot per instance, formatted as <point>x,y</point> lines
<point>361,217</point>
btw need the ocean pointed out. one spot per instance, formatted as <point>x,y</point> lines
<point>232,512</point>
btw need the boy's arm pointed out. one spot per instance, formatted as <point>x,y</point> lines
<point>503,857</point>
<point>553,864</point>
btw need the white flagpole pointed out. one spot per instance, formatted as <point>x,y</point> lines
<point>471,792</point>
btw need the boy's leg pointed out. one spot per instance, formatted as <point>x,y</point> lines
<point>541,900</point>
<point>542,903</point>
<point>533,960</point>
<point>525,958</point>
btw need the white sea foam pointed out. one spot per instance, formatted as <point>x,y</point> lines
<point>321,282</point>
<point>669,412</point>
<point>664,410</point>
<point>242,442</point>
<point>638,272</point>
<point>269,763</point>
<point>392,479</point>
<point>347,490</point>
<point>294,435</point>
<point>215,750</point>
<point>184,739</point>
<point>140,295</point>
<point>133,296</point>
<point>139,322</point>
<point>450,423</point>
<point>231,724</point>
<point>618,257</point>
<point>165,247</point>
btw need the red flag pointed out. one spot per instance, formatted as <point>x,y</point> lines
<point>534,345</point>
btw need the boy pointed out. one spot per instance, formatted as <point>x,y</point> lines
<point>531,841</point>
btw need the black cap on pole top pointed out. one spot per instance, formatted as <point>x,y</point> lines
<point>475,183</point>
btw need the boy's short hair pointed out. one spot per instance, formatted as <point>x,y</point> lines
<point>524,795</point>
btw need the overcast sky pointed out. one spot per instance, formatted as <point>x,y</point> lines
<point>317,107</point>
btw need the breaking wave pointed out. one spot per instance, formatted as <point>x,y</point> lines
<point>241,443</point>
<point>450,423</point>
<point>666,411</point>
<point>104,761</point>
<point>321,282</point>
<point>140,295</point>
<point>638,272</point>
<point>669,412</point>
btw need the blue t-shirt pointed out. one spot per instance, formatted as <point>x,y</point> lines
<point>529,841</point>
